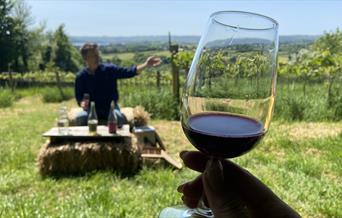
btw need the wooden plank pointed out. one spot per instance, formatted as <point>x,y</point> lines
<point>161,154</point>
<point>169,159</point>
<point>161,144</point>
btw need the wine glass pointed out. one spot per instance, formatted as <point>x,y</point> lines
<point>229,94</point>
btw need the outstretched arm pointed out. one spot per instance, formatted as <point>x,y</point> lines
<point>151,61</point>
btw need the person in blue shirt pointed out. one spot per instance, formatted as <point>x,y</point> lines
<point>99,81</point>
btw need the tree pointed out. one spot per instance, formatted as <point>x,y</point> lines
<point>18,43</point>
<point>305,65</point>
<point>66,57</point>
<point>183,60</point>
<point>47,51</point>
<point>329,50</point>
<point>6,34</point>
<point>61,55</point>
<point>322,60</point>
<point>331,68</point>
<point>212,64</point>
<point>330,41</point>
<point>22,36</point>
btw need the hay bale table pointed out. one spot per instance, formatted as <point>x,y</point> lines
<point>78,152</point>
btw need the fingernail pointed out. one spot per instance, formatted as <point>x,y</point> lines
<point>214,174</point>
<point>182,154</point>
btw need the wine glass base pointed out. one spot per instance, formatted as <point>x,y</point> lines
<point>182,212</point>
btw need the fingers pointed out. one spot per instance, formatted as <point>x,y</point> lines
<point>235,177</point>
<point>222,197</point>
<point>229,188</point>
<point>245,189</point>
<point>192,192</point>
<point>153,61</point>
<point>197,161</point>
<point>156,61</point>
<point>84,105</point>
<point>190,202</point>
<point>192,189</point>
<point>156,64</point>
<point>194,160</point>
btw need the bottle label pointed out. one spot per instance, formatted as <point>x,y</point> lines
<point>111,127</point>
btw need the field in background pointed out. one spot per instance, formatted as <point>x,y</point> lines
<point>291,103</point>
<point>129,56</point>
<point>300,161</point>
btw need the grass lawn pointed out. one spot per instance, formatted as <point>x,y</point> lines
<point>301,162</point>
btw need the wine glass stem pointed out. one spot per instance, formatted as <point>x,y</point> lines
<point>202,210</point>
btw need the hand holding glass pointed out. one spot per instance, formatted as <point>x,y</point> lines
<point>229,95</point>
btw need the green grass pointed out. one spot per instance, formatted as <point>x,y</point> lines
<point>283,57</point>
<point>54,95</point>
<point>301,162</point>
<point>122,56</point>
<point>150,99</point>
<point>6,98</point>
<point>130,55</point>
<point>292,104</point>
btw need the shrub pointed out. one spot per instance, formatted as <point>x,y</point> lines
<point>338,111</point>
<point>296,107</point>
<point>160,104</point>
<point>6,98</point>
<point>291,104</point>
<point>53,95</point>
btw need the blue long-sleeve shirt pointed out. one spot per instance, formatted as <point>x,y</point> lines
<point>102,86</point>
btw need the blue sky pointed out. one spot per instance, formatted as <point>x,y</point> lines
<point>187,17</point>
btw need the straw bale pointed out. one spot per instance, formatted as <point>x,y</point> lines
<point>80,157</point>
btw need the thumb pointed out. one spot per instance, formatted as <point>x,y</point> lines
<point>222,198</point>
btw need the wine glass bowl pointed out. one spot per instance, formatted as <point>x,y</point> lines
<point>229,94</point>
<point>223,135</point>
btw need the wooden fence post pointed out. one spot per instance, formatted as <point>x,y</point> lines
<point>59,83</point>
<point>158,79</point>
<point>175,70</point>
<point>12,82</point>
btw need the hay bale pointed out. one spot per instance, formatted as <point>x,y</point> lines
<point>141,117</point>
<point>75,158</point>
<point>72,115</point>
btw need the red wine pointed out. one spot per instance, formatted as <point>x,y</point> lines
<point>223,135</point>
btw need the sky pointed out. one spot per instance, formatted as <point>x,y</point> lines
<point>186,17</point>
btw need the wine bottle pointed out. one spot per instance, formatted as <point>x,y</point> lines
<point>92,119</point>
<point>112,123</point>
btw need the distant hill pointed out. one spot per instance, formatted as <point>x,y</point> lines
<point>298,38</point>
<point>105,40</point>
